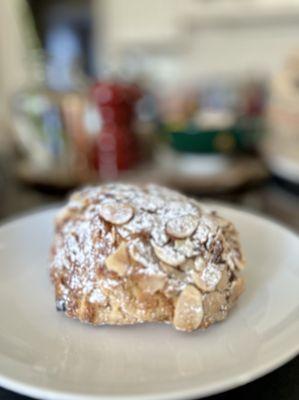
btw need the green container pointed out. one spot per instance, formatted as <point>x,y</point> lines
<point>240,137</point>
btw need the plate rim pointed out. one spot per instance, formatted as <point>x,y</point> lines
<point>220,386</point>
<point>212,389</point>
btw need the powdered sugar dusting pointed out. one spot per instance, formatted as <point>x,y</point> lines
<point>158,226</point>
<point>97,296</point>
<point>115,212</point>
<point>211,275</point>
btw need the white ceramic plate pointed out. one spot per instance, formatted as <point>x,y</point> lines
<point>44,354</point>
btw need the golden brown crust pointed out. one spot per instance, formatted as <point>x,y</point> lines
<point>124,254</point>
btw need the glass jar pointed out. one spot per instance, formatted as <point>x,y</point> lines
<point>55,132</point>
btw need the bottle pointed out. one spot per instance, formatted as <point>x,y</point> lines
<point>118,149</point>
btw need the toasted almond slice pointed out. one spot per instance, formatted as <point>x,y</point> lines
<point>184,246</point>
<point>119,260</point>
<point>152,283</point>
<point>141,252</point>
<point>136,249</point>
<point>199,263</point>
<point>159,236</point>
<point>188,312</point>
<point>240,262</point>
<point>172,271</point>
<point>182,227</point>
<point>188,265</point>
<point>223,283</point>
<point>208,278</point>
<point>116,213</point>
<point>211,275</point>
<point>213,303</point>
<point>237,288</point>
<point>230,262</point>
<point>202,233</point>
<point>201,284</point>
<point>235,261</point>
<point>168,255</point>
<point>223,223</point>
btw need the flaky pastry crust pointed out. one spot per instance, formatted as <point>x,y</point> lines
<point>125,254</point>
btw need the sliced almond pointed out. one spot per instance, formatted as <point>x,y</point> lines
<point>172,271</point>
<point>151,284</point>
<point>141,252</point>
<point>237,288</point>
<point>184,246</point>
<point>230,262</point>
<point>169,255</point>
<point>202,233</point>
<point>223,223</point>
<point>116,213</point>
<point>196,278</point>
<point>119,260</point>
<point>210,222</point>
<point>239,261</point>
<point>182,227</point>
<point>208,278</point>
<point>235,261</point>
<point>224,280</point>
<point>142,222</point>
<point>199,263</point>
<point>188,312</point>
<point>159,236</point>
<point>211,275</point>
<point>174,288</point>
<point>136,249</point>
<point>214,305</point>
<point>188,265</point>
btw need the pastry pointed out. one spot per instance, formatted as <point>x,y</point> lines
<point>125,254</point>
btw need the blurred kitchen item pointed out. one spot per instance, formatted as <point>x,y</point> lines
<point>281,146</point>
<point>215,118</point>
<point>117,144</point>
<point>20,51</point>
<point>210,135</point>
<point>210,131</point>
<point>211,173</point>
<point>53,119</point>
<point>66,28</point>
<point>55,131</point>
<point>284,167</point>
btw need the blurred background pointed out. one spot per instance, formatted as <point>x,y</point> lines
<point>198,95</point>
